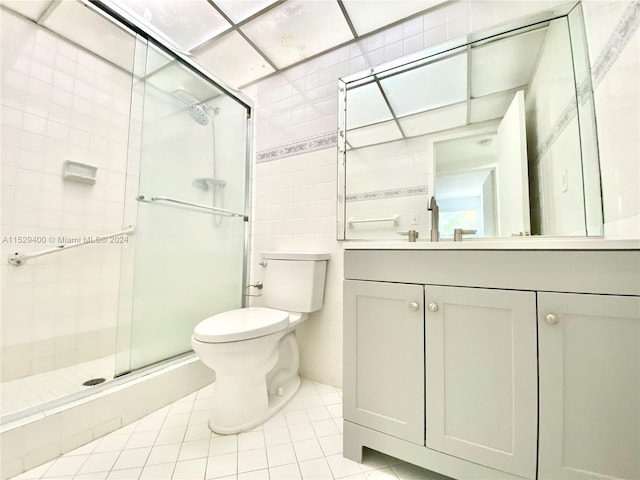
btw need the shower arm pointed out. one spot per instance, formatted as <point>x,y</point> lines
<point>17,259</point>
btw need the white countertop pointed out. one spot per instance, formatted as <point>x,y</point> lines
<point>513,243</point>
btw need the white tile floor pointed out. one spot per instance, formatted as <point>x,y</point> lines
<point>304,441</point>
<point>33,390</point>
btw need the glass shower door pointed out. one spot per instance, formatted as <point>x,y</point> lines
<point>187,196</point>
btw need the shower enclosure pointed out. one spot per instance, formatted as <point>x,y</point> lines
<point>124,200</point>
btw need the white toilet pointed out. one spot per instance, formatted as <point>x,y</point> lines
<point>254,351</point>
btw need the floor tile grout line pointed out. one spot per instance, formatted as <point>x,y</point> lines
<point>194,421</point>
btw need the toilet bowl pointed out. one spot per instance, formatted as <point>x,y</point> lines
<point>254,351</point>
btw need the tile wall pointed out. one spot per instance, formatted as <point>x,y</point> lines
<point>59,103</point>
<point>557,199</point>
<point>296,119</point>
<point>614,51</point>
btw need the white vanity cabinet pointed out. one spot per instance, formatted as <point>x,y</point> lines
<point>530,367</point>
<point>589,357</point>
<point>383,358</point>
<point>481,376</point>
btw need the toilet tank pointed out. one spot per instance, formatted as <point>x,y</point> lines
<point>294,281</point>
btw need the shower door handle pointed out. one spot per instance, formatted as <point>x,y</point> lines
<point>143,198</point>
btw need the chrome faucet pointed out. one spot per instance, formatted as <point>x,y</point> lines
<point>459,232</point>
<point>435,218</point>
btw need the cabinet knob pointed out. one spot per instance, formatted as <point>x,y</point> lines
<point>433,307</point>
<point>414,307</point>
<point>552,319</point>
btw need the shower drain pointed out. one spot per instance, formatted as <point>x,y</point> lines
<point>93,381</point>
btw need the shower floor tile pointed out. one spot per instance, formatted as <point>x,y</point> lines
<point>29,391</point>
<point>304,441</point>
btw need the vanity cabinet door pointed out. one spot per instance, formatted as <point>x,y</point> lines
<point>384,358</point>
<point>589,348</point>
<point>481,371</point>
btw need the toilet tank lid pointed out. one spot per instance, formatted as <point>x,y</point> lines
<point>296,255</point>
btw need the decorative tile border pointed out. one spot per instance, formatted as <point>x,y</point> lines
<point>307,145</point>
<point>566,116</point>
<point>392,193</point>
<point>625,29</point>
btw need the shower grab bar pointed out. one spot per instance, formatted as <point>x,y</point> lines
<point>142,198</point>
<point>393,219</point>
<point>18,258</point>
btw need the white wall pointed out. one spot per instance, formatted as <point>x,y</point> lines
<point>394,178</point>
<point>294,186</point>
<point>614,52</point>
<point>59,103</point>
<point>557,199</point>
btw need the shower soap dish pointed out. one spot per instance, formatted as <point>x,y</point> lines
<point>79,172</point>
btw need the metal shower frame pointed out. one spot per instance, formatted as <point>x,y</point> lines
<point>114,13</point>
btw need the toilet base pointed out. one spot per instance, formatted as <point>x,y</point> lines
<point>276,403</point>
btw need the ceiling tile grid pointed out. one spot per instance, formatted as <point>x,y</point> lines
<point>185,24</point>
<point>215,58</point>
<point>321,94</point>
<point>241,42</point>
<point>309,44</point>
<point>298,29</point>
<point>313,42</point>
<point>239,11</point>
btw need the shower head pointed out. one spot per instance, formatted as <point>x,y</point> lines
<point>200,113</point>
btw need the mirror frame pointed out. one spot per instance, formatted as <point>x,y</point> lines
<point>572,12</point>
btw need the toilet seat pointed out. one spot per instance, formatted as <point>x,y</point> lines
<point>241,324</point>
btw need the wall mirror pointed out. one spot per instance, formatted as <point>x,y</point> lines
<point>497,126</point>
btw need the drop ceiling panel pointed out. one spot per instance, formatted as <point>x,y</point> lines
<point>366,105</point>
<point>240,10</point>
<point>186,24</point>
<point>370,15</point>
<point>176,77</point>
<point>82,26</point>
<point>434,120</point>
<point>431,86</point>
<point>505,64</point>
<point>489,107</point>
<point>374,134</point>
<point>32,9</point>
<point>222,57</point>
<point>298,29</point>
